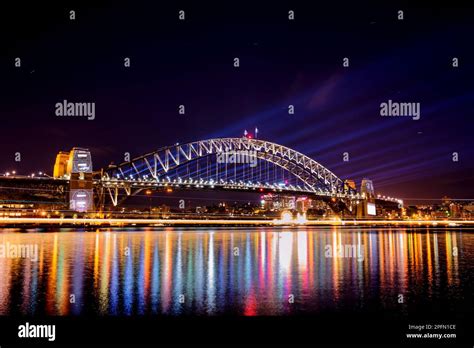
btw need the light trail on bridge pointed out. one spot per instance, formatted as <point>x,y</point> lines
<point>235,222</point>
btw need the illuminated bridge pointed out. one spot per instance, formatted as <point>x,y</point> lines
<point>226,164</point>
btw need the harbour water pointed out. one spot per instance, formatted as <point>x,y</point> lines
<point>239,271</point>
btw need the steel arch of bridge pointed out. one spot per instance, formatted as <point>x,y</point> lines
<point>156,164</point>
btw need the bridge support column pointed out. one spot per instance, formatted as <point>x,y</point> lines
<point>366,207</point>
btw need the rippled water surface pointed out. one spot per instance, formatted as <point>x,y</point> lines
<point>261,271</point>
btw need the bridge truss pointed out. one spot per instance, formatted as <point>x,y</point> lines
<point>257,164</point>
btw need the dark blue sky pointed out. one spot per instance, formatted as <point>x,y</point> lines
<point>337,109</point>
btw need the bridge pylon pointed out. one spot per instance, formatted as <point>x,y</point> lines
<point>77,167</point>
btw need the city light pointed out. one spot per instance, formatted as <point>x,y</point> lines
<point>301,219</point>
<point>286,217</point>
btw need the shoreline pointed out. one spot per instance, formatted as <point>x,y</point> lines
<point>100,223</point>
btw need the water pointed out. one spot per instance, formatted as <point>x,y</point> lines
<point>247,272</point>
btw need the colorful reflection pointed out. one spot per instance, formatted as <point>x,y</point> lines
<point>258,272</point>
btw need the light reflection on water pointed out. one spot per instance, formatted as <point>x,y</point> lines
<point>221,271</point>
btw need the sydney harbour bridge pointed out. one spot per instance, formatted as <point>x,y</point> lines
<point>224,164</point>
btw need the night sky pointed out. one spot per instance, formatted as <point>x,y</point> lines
<point>282,62</point>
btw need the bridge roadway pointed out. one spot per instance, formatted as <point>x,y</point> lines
<point>37,186</point>
<point>32,222</point>
<point>28,186</point>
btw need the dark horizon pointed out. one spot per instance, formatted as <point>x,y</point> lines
<point>282,62</point>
